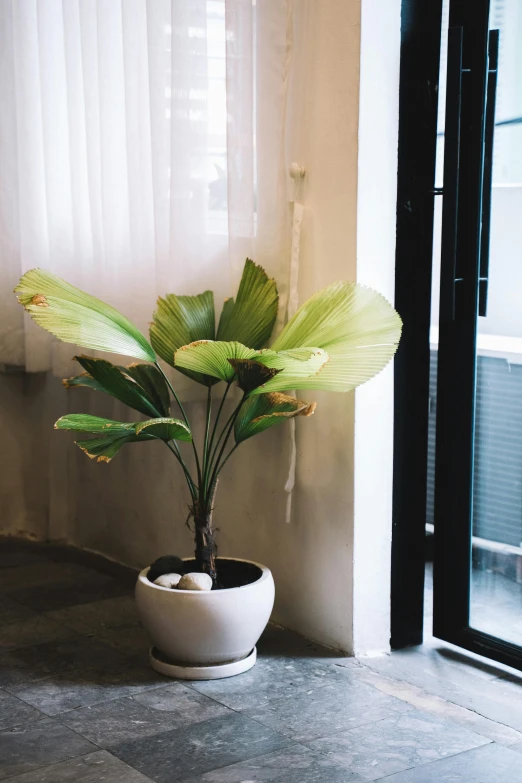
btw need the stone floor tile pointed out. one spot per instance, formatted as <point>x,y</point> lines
<point>465,660</point>
<point>174,756</point>
<point>84,589</point>
<point>14,712</point>
<point>75,653</point>
<point>143,715</point>
<point>435,705</point>
<point>294,764</point>
<point>499,700</point>
<point>16,671</point>
<point>99,615</point>
<point>488,764</point>
<point>434,661</point>
<point>279,642</point>
<point>514,677</point>
<point>93,768</point>
<point>57,694</point>
<point>71,661</point>
<point>130,640</point>
<point>20,667</point>
<point>327,711</point>
<point>13,612</point>
<point>14,579</point>
<point>36,744</point>
<point>31,631</point>
<point>395,744</point>
<point>177,698</point>
<point>18,553</point>
<point>83,687</point>
<point>272,678</point>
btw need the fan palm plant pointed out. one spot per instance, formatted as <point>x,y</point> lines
<point>341,337</point>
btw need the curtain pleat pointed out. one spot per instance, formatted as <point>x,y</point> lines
<point>12,335</point>
<point>259,57</point>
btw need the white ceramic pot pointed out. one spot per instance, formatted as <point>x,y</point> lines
<point>205,634</point>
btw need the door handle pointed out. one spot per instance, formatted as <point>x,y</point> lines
<point>487,177</point>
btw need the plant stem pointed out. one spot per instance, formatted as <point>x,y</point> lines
<point>206,549</point>
<point>174,394</point>
<point>222,433</point>
<point>220,468</point>
<point>175,450</point>
<point>213,484</point>
<point>198,467</point>
<point>227,436</point>
<point>205,443</point>
<point>214,429</point>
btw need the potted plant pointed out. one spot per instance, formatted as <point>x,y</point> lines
<point>205,614</point>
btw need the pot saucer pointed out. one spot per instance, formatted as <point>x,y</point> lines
<point>219,671</point>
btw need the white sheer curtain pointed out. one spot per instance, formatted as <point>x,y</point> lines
<point>142,150</point>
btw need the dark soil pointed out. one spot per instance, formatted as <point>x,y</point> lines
<point>230,573</point>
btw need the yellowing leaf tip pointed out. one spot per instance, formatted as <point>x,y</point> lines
<point>85,450</point>
<point>39,300</point>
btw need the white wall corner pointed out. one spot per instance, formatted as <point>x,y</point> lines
<point>376,221</point>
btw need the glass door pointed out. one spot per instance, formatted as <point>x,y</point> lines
<point>496,573</point>
<point>478,453</point>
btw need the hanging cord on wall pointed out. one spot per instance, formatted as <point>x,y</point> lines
<point>297,173</point>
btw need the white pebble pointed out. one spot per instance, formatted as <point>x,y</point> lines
<point>168,580</point>
<point>195,581</point>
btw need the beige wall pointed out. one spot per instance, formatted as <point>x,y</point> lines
<point>24,501</point>
<point>376,220</point>
<point>135,508</point>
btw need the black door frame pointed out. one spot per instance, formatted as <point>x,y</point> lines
<point>421,29</point>
<point>418,102</point>
<point>462,296</point>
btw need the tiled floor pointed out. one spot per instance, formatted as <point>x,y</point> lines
<point>79,703</point>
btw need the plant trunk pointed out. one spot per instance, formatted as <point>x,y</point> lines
<point>206,549</point>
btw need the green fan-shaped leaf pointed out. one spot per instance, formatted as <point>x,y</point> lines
<point>358,328</point>
<point>116,433</point>
<point>221,359</point>
<point>153,384</point>
<point>83,379</point>
<point>140,386</point>
<point>164,429</point>
<point>180,320</point>
<point>297,368</point>
<point>103,449</point>
<point>251,374</point>
<point>251,317</point>
<point>262,411</point>
<point>76,317</point>
<point>84,422</point>
<point>212,357</point>
<point>228,309</point>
